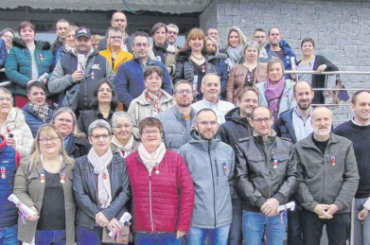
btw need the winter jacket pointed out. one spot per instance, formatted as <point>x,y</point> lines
<point>140,108</point>
<point>286,100</point>
<point>287,55</point>
<point>265,170</point>
<point>129,80</point>
<point>284,126</point>
<point>320,181</point>
<point>3,53</point>
<point>80,147</point>
<point>30,191</point>
<point>18,64</point>
<point>318,81</point>
<point>97,68</point>
<point>33,121</point>
<point>211,165</point>
<point>85,191</point>
<point>121,58</point>
<point>168,58</point>
<point>9,160</point>
<point>88,116</point>
<point>176,130</point>
<point>15,124</point>
<point>163,202</point>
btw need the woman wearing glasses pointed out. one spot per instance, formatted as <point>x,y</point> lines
<point>100,185</point>
<point>44,183</point>
<point>75,142</point>
<point>103,106</point>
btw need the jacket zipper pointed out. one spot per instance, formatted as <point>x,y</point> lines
<point>213,180</point>
<point>268,162</point>
<point>150,202</point>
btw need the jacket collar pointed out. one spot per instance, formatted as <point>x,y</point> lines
<point>234,116</point>
<point>202,143</point>
<point>17,42</point>
<point>142,100</point>
<point>270,139</point>
<point>180,116</point>
<point>308,141</point>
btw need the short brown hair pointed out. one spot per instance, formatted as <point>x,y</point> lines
<point>354,96</point>
<point>157,26</point>
<point>25,24</point>
<point>149,70</point>
<point>245,90</point>
<point>150,122</point>
<point>274,61</point>
<point>308,40</point>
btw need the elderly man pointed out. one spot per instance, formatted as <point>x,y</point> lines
<point>328,181</point>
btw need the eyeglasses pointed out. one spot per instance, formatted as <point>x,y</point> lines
<point>187,91</point>
<point>260,120</point>
<point>98,137</point>
<point>7,99</point>
<point>119,126</point>
<point>62,120</point>
<point>172,33</point>
<point>116,37</point>
<point>150,132</point>
<point>205,123</point>
<point>45,140</point>
<point>259,37</point>
<point>105,89</point>
<point>141,45</point>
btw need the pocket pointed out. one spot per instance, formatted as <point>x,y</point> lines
<point>280,163</point>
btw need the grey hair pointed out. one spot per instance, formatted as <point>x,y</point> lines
<point>251,44</point>
<point>100,123</point>
<point>173,26</point>
<point>209,75</point>
<point>119,114</point>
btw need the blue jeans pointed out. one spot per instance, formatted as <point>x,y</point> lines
<point>361,228</point>
<point>217,236</point>
<point>90,237</point>
<point>254,225</point>
<point>8,235</point>
<point>156,239</point>
<point>47,237</point>
<point>235,233</point>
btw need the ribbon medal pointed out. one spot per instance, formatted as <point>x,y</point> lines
<point>42,177</point>
<point>333,161</point>
<point>92,75</point>
<point>275,163</point>
<point>156,167</point>
<point>3,173</point>
<point>225,168</point>
<point>203,68</point>
<point>62,178</point>
<point>105,176</point>
<point>41,57</point>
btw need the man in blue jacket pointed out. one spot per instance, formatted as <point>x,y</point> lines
<point>129,79</point>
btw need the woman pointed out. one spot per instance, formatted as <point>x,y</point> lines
<point>68,45</point>
<point>44,183</point>
<point>75,143</point>
<point>28,60</point>
<point>13,125</point>
<point>7,35</point>
<point>37,112</point>
<point>312,62</point>
<point>123,141</point>
<point>276,93</point>
<point>159,34</point>
<point>212,48</point>
<point>234,46</point>
<point>100,185</point>
<point>169,183</point>
<point>247,74</point>
<point>95,40</point>
<point>114,53</point>
<point>153,100</point>
<point>193,63</point>
<point>103,106</point>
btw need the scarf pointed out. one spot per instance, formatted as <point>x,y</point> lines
<point>235,54</point>
<point>273,93</point>
<point>153,159</point>
<point>100,164</point>
<point>41,111</point>
<point>124,150</point>
<point>155,101</point>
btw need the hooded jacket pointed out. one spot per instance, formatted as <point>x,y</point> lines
<point>284,126</point>
<point>211,165</point>
<point>33,121</point>
<point>287,54</point>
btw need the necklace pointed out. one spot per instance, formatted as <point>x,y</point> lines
<point>197,58</point>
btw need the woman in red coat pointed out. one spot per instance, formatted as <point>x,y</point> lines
<point>162,189</point>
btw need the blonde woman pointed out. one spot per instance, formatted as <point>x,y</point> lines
<point>236,41</point>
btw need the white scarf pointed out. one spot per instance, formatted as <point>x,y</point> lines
<point>100,164</point>
<point>127,149</point>
<point>151,159</point>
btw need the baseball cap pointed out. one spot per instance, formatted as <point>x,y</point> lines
<point>82,32</point>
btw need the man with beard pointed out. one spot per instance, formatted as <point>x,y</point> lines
<point>172,49</point>
<point>328,181</point>
<point>238,126</point>
<point>72,73</point>
<point>177,121</point>
<point>211,164</point>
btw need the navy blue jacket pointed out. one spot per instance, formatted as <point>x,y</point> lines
<point>284,126</point>
<point>33,121</point>
<point>287,54</point>
<point>3,53</point>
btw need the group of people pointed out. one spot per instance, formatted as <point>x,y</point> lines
<point>200,144</point>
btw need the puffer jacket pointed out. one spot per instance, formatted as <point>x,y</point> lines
<point>18,64</point>
<point>121,58</point>
<point>162,202</point>
<point>33,121</point>
<point>265,170</point>
<point>287,55</point>
<point>211,165</point>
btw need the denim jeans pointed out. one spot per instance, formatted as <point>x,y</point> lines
<point>337,228</point>
<point>254,225</point>
<point>47,237</point>
<point>235,233</point>
<point>90,237</point>
<point>217,236</point>
<point>8,235</point>
<point>294,227</point>
<point>361,228</point>
<point>156,239</point>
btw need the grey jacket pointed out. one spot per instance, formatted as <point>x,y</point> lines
<point>320,181</point>
<point>265,170</point>
<point>211,164</point>
<point>176,128</point>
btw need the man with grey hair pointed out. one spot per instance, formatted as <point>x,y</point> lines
<point>172,49</point>
<point>211,89</point>
<point>328,180</point>
<point>177,121</point>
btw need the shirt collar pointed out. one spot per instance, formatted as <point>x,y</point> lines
<point>355,123</point>
<point>300,116</point>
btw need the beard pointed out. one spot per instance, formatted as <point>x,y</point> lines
<point>321,132</point>
<point>303,108</point>
<point>185,103</point>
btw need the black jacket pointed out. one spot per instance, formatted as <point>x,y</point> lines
<point>86,117</point>
<point>284,126</point>
<point>80,147</point>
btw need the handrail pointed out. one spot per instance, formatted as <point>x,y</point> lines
<point>6,83</point>
<point>328,72</point>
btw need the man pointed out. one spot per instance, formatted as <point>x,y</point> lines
<point>60,29</point>
<point>130,75</point>
<point>210,163</point>
<point>172,48</point>
<point>238,126</point>
<point>177,121</point>
<point>260,37</point>
<point>211,89</point>
<point>328,180</point>
<point>81,69</point>
<point>119,20</point>
<point>266,177</point>
<point>358,131</point>
<point>213,32</point>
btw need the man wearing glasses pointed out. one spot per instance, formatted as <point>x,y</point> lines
<point>260,37</point>
<point>213,32</point>
<point>211,165</point>
<point>266,177</point>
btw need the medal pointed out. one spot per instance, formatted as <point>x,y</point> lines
<point>156,167</point>
<point>3,173</point>
<point>203,68</point>
<point>105,176</point>
<point>224,167</point>
<point>275,163</point>
<point>42,177</point>
<point>62,178</point>
<point>333,161</point>
<point>92,75</point>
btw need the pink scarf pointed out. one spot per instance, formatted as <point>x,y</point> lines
<point>273,93</point>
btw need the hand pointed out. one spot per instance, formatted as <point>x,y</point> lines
<point>321,68</point>
<point>321,211</point>
<point>34,217</point>
<point>333,208</point>
<point>270,207</point>
<point>77,76</point>
<point>180,234</point>
<point>363,214</point>
<point>101,220</point>
<point>114,225</point>
<point>11,142</point>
